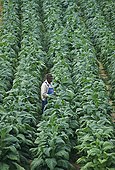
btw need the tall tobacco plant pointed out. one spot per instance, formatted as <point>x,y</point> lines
<point>22,103</point>
<point>24,96</point>
<point>9,46</point>
<point>101,36</point>
<point>95,136</point>
<point>58,124</point>
<point>47,153</point>
<point>108,10</point>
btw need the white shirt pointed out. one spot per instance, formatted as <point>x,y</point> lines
<point>44,89</point>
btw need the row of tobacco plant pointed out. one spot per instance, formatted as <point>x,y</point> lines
<point>22,104</point>
<point>9,46</point>
<point>95,135</point>
<point>108,10</point>
<point>78,116</point>
<point>102,37</point>
<point>54,130</point>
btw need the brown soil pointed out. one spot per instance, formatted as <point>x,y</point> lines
<point>105,78</point>
<point>74,157</point>
<point>77,167</point>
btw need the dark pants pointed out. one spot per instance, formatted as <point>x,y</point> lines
<point>44,102</point>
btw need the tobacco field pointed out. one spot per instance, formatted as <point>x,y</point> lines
<point>70,39</point>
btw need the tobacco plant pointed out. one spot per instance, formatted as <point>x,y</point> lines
<point>101,36</point>
<point>108,10</point>
<point>91,101</point>
<point>58,124</point>
<point>22,102</point>
<point>9,46</point>
<point>78,115</point>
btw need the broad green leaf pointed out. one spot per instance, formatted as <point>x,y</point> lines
<point>21,136</point>
<point>10,139</point>
<point>93,151</point>
<point>59,141</point>
<point>86,137</point>
<point>18,167</point>
<point>81,160</point>
<point>47,151</point>
<point>62,154</point>
<point>88,166</point>
<point>29,142</point>
<point>107,146</point>
<point>12,149</point>
<point>5,131</point>
<point>4,166</point>
<point>63,163</point>
<point>102,160</point>
<point>51,163</point>
<point>36,163</point>
<point>13,156</point>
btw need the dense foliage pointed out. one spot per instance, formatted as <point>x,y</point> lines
<point>67,38</point>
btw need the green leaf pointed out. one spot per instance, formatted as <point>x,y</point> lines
<point>63,154</point>
<point>51,163</point>
<point>36,163</point>
<point>81,160</point>
<point>21,136</point>
<point>63,163</point>
<point>13,149</point>
<point>93,152</point>
<point>87,166</point>
<point>18,167</point>
<point>5,131</point>
<point>59,140</point>
<point>102,160</point>
<point>11,139</point>
<point>4,166</point>
<point>107,146</point>
<point>47,151</point>
<point>13,157</point>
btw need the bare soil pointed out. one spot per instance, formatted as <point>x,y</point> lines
<point>105,78</point>
<point>77,167</point>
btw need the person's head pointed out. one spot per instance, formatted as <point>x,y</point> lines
<point>49,77</point>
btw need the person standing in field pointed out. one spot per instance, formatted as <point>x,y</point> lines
<point>46,90</point>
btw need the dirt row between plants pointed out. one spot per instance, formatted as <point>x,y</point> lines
<point>105,78</point>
